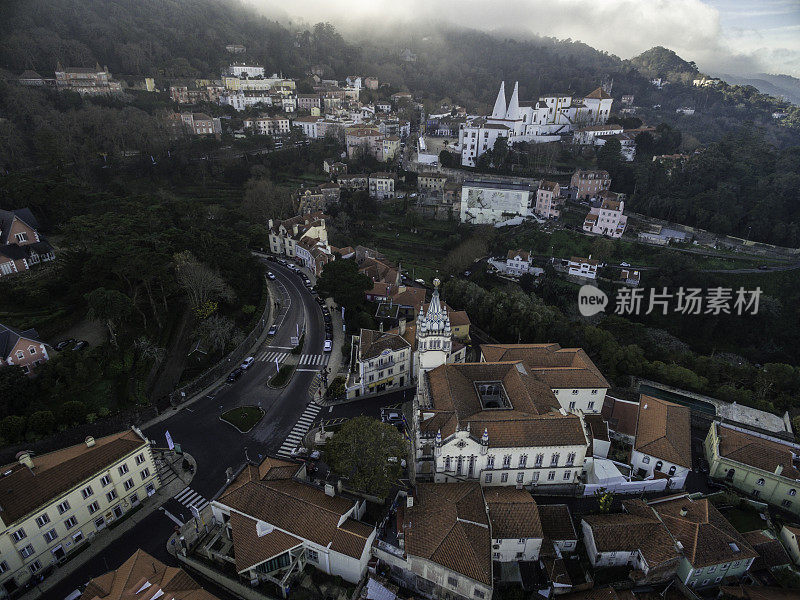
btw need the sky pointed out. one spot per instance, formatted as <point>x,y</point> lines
<point>740,37</point>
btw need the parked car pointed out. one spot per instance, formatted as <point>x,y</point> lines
<point>273,330</point>
<point>763,267</point>
<point>328,346</point>
<point>80,345</point>
<point>247,362</point>
<point>624,264</point>
<point>64,343</point>
<point>270,275</point>
<point>328,335</point>
<point>235,374</point>
<point>320,301</point>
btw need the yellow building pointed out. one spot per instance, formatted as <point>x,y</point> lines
<point>55,503</point>
<point>762,468</point>
<point>391,144</point>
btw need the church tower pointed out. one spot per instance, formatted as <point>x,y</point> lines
<point>434,337</point>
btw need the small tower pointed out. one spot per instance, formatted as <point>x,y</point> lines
<point>433,334</point>
<point>485,441</point>
<point>499,111</point>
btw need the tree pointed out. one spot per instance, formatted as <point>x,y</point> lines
<point>110,307</point>
<point>216,331</point>
<point>602,249</point>
<point>199,281</point>
<point>341,281</point>
<point>609,156</point>
<point>263,200</point>
<point>368,453</point>
<point>12,429</point>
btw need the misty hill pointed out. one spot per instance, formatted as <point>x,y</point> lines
<point>775,85</point>
<point>663,62</point>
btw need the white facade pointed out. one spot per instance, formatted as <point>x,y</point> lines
<point>607,219</point>
<point>241,70</point>
<point>646,466</point>
<point>488,202</point>
<point>268,125</point>
<point>381,186</point>
<point>585,268</point>
<point>585,400</point>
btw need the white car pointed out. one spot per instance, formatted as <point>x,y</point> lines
<point>624,264</point>
<point>270,275</point>
<point>247,362</point>
<point>328,346</point>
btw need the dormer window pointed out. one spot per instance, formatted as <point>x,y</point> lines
<point>22,237</point>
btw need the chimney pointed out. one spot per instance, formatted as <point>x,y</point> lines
<point>89,441</point>
<point>24,458</point>
<point>330,490</point>
<point>778,469</point>
<point>402,326</point>
<point>684,511</point>
<point>380,327</point>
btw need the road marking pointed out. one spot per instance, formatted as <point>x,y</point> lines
<point>188,498</point>
<point>175,519</point>
<point>299,430</point>
<point>307,370</point>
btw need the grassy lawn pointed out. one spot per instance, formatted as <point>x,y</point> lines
<point>243,418</point>
<point>282,377</point>
<point>744,520</point>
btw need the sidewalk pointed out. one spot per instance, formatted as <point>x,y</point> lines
<point>171,468</point>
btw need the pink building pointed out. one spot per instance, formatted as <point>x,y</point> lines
<point>548,204</point>
<point>607,219</point>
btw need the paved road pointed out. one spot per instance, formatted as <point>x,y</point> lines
<point>215,445</point>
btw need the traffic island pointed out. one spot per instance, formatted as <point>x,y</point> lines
<point>244,418</point>
<point>282,377</point>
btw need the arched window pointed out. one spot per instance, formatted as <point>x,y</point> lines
<point>672,470</point>
<point>760,482</point>
<point>729,474</point>
<point>792,492</point>
<point>659,464</point>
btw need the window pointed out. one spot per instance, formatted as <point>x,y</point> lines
<point>792,492</point>
<point>535,477</point>
<point>70,523</point>
<point>112,495</point>
<point>63,507</point>
<point>42,520</point>
<point>504,478</point>
<point>26,551</point>
<point>128,484</point>
<point>523,458</point>
<point>736,564</point>
<point>488,478</point>
<point>646,460</point>
<point>760,482</point>
<point>711,569</point>
<point>134,498</point>
<point>672,470</point>
<point>140,459</point>
<point>34,566</point>
<point>570,459</point>
<point>786,503</point>
<point>507,461</point>
<point>20,354</point>
<point>145,474</point>
<point>554,459</point>
<point>105,480</point>
<point>594,392</point>
<point>452,581</point>
<point>3,567</point>
<point>572,405</point>
<point>123,469</point>
<point>99,522</point>
<point>18,535</point>
<point>312,555</point>
<point>150,489</point>
<point>77,537</point>
<point>590,406</point>
<point>539,460</point>
<point>659,464</point>
<point>567,475</point>
<point>50,536</point>
<point>22,237</point>
<point>490,462</point>
<point>93,507</point>
<point>32,349</point>
<point>551,476</point>
<point>447,463</point>
<point>520,477</point>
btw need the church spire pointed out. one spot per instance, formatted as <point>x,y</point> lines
<point>513,106</point>
<point>436,320</point>
<point>499,111</point>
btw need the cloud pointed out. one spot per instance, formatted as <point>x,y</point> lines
<point>623,27</point>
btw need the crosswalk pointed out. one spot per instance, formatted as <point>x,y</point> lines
<point>314,359</point>
<point>188,497</point>
<point>300,429</point>
<point>271,355</point>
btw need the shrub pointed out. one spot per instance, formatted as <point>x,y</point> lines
<point>12,429</point>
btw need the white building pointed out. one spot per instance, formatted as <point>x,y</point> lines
<point>486,201</point>
<point>241,99</point>
<point>244,70</point>
<point>663,446</point>
<point>380,361</point>
<point>381,185</point>
<point>303,238</point>
<point>607,219</point>
<point>321,529</point>
<point>543,121</point>
<point>585,268</point>
<point>268,125</point>
<point>587,135</point>
<point>518,262</point>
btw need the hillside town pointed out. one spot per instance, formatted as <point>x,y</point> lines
<point>278,332</point>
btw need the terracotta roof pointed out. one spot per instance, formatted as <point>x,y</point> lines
<point>411,296</point>
<point>138,571</point>
<point>620,415</point>
<point>513,512</point>
<point>251,549</point>
<point>448,525</point>
<point>599,94</point>
<point>757,452</point>
<point>548,185</point>
<point>663,430</point>
<point>295,507</point>
<point>584,261</point>
<point>637,529</point>
<point>771,552</point>
<point>557,522</point>
<point>374,342</point>
<point>521,253</point>
<point>558,367</point>
<point>707,537</point>
<point>24,491</point>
